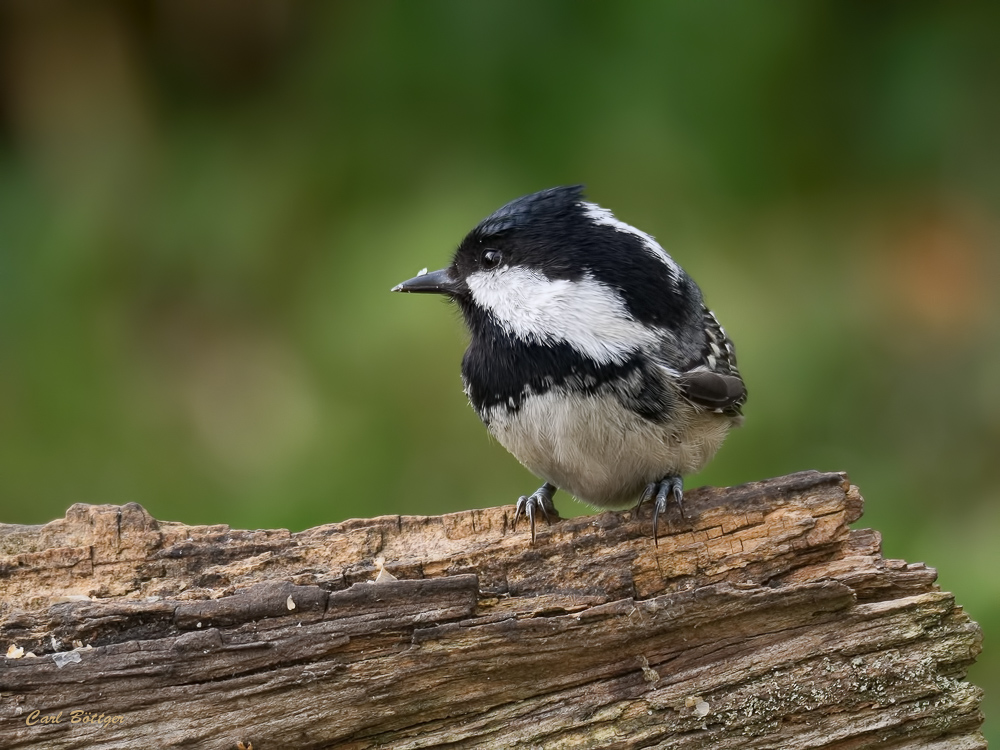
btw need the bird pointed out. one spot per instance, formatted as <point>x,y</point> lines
<point>592,357</point>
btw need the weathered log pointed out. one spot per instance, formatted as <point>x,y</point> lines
<point>759,621</point>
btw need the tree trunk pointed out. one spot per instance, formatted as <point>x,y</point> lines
<point>759,621</point>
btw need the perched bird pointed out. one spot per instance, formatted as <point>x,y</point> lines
<point>593,358</point>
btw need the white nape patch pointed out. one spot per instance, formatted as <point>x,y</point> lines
<point>586,314</point>
<point>604,217</point>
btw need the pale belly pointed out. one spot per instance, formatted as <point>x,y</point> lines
<point>601,452</point>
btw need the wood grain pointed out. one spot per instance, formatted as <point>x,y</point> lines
<point>761,620</point>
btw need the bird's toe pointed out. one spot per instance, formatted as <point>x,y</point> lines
<point>660,493</point>
<point>530,505</point>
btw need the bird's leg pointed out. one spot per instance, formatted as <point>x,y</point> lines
<point>659,492</point>
<point>540,500</point>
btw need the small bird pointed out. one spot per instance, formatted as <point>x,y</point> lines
<point>593,358</point>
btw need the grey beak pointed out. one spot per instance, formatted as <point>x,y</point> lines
<point>435,282</point>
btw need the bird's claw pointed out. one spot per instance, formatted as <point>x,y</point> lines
<point>659,492</point>
<point>539,500</point>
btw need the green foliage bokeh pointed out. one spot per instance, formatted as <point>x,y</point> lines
<point>203,206</point>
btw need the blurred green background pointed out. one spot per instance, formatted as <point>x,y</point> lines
<point>204,203</point>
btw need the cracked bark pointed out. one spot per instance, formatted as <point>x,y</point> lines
<point>760,621</point>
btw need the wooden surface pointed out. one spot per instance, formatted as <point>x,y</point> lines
<point>760,621</point>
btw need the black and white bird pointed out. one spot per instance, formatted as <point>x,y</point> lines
<point>593,358</point>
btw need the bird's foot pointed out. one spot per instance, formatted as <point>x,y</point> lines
<point>659,492</point>
<point>540,500</point>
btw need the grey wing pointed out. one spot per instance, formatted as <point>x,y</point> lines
<point>722,393</point>
<point>710,379</point>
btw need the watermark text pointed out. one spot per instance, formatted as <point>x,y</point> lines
<point>92,718</point>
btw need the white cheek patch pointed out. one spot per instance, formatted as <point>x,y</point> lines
<point>604,217</point>
<point>586,314</point>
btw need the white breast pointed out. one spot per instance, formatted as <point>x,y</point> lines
<point>601,452</point>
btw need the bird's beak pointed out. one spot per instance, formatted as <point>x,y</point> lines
<point>435,282</point>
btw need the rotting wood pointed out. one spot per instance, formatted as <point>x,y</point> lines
<point>760,621</point>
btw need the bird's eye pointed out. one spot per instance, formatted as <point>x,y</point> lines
<point>492,259</point>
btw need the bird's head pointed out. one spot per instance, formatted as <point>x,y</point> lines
<point>550,267</point>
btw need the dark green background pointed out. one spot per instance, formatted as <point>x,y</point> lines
<point>203,205</point>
